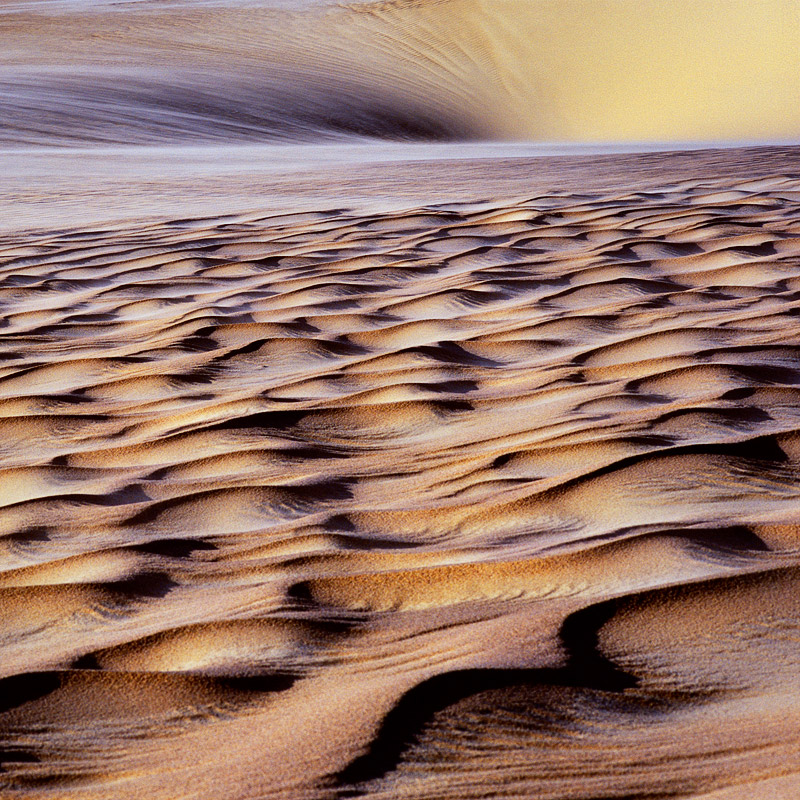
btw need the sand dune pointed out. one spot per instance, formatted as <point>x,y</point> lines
<point>549,70</point>
<point>479,499</point>
<point>356,440</point>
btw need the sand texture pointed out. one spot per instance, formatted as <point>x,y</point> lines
<point>87,72</point>
<point>399,400</point>
<point>480,499</point>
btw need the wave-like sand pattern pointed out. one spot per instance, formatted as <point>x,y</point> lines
<point>466,500</point>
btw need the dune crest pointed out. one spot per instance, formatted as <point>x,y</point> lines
<point>545,70</point>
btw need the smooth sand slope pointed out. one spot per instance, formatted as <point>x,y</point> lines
<point>540,70</point>
<point>480,499</point>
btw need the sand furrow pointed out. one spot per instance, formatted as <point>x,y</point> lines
<point>412,502</point>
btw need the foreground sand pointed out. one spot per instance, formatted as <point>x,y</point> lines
<point>466,500</point>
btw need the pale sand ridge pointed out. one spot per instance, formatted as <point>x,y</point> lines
<point>529,70</point>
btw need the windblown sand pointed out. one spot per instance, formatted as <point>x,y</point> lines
<point>483,499</point>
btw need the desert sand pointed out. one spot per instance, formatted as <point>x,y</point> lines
<point>336,468</point>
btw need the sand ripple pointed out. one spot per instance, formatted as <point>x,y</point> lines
<point>463,501</point>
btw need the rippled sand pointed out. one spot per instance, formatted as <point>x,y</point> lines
<point>478,499</point>
<point>339,462</point>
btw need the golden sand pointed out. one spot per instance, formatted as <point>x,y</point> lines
<point>533,70</point>
<point>486,499</point>
<point>339,462</point>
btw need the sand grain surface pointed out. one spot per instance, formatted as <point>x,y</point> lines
<point>494,498</point>
<point>387,412</point>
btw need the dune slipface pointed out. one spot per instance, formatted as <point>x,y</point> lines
<point>543,70</point>
<point>338,467</point>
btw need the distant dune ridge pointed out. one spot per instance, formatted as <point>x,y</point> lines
<point>543,70</point>
<point>337,466</point>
